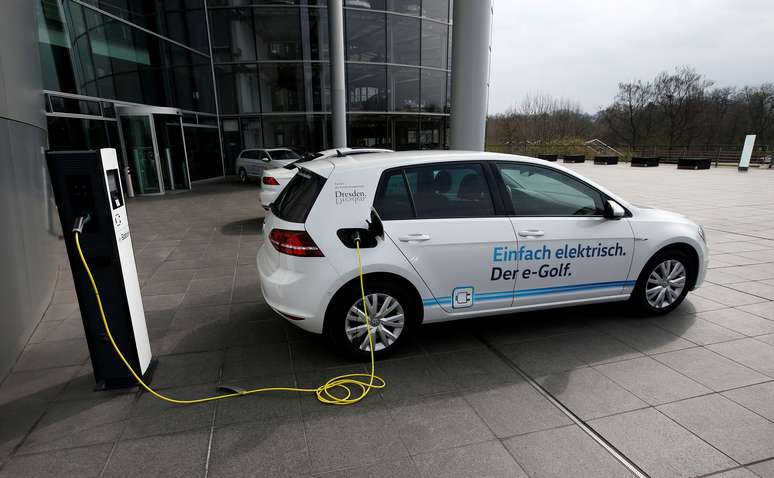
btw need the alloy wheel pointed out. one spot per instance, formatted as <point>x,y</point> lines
<point>385,318</point>
<point>665,283</point>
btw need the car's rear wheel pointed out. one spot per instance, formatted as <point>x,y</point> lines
<point>663,283</point>
<point>391,318</point>
<point>243,175</point>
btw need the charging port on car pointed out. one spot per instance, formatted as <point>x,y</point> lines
<point>349,236</point>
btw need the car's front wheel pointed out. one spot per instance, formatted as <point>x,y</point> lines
<point>391,318</point>
<point>663,283</point>
<point>243,175</point>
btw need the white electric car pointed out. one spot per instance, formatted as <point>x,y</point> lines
<point>462,234</point>
<point>251,163</point>
<point>273,181</point>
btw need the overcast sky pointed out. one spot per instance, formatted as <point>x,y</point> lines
<point>581,49</point>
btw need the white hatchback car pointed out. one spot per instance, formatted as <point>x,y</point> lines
<point>459,235</point>
<point>251,163</point>
<point>273,181</point>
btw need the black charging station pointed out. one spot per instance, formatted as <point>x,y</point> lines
<point>88,184</point>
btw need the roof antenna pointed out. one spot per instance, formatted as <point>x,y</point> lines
<point>338,153</point>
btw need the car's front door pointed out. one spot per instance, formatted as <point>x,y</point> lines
<point>443,219</point>
<point>567,249</point>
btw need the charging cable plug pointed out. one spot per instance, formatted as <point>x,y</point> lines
<point>356,237</point>
<point>80,223</point>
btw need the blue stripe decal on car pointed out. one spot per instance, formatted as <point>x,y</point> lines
<point>533,292</point>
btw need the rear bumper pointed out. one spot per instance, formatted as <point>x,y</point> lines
<point>296,287</point>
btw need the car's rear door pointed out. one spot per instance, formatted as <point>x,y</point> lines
<point>444,219</point>
<point>567,249</point>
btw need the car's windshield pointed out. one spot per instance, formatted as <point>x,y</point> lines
<point>283,154</point>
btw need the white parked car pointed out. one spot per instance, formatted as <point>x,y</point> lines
<point>461,235</point>
<point>274,180</point>
<point>251,163</point>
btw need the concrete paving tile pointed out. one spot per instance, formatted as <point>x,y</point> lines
<point>764,469</point>
<point>179,454</point>
<point>652,381</point>
<point>162,302</point>
<point>435,423</point>
<point>642,336</point>
<point>695,304</point>
<point>35,385</point>
<point>488,459</point>
<point>729,427</point>
<point>343,437</point>
<point>514,408</point>
<point>164,288</point>
<point>277,448</point>
<point>44,330</point>
<point>448,337</point>
<point>589,394</point>
<point>261,406</point>
<point>82,462</point>
<point>562,452</point>
<point>252,361</point>
<point>739,320</point>
<point>691,327</point>
<point>257,333</point>
<point>710,369</point>
<point>764,309</point>
<point>726,295</point>
<point>769,339</point>
<point>758,398</point>
<point>659,446</point>
<point>187,369</point>
<point>475,368</point>
<point>413,377</point>
<point>79,423</point>
<point>17,420</point>
<point>199,339</point>
<point>393,468</point>
<point>753,353</point>
<point>542,356</point>
<point>59,311</point>
<point>735,473</point>
<point>53,354</point>
<point>758,289</point>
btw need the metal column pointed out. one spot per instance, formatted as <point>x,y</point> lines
<point>338,95</point>
<point>470,73</point>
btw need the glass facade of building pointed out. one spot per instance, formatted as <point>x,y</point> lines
<point>259,68</point>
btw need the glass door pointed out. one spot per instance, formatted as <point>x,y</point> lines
<point>172,152</point>
<point>141,153</point>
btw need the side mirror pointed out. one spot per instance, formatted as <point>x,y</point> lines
<point>613,210</point>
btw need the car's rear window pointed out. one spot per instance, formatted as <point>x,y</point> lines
<point>296,200</point>
<point>283,154</point>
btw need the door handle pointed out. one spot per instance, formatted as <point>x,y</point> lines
<point>531,233</point>
<point>414,238</point>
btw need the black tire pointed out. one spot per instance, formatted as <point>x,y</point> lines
<point>243,175</point>
<point>337,319</point>
<point>639,296</point>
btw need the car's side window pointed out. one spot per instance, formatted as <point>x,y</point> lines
<point>393,201</point>
<point>450,190</point>
<point>265,156</point>
<point>539,191</point>
<point>250,154</point>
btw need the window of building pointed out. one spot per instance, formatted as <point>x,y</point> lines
<point>431,132</point>
<point>366,87</point>
<point>372,4</point>
<point>232,34</point>
<point>537,191</point>
<point>436,9</point>
<point>406,131</point>
<point>320,84</point>
<point>410,7</point>
<point>314,25</point>
<point>433,90</point>
<point>449,190</point>
<point>434,42</point>
<point>281,87</point>
<point>237,88</point>
<point>285,132</point>
<point>403,44</point>
<point>366,36</point>
<point>371,131</point>
<point>404,88</point>
<point>277,33</point>
<point>251,133</point>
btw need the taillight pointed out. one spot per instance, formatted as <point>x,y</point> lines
<point>294,243</point>
<point>270,181</point>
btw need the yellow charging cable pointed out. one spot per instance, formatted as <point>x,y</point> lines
<point>352,387</point>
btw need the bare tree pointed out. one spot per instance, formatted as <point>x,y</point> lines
<point>679,97</point>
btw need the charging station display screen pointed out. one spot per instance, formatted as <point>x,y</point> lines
<point>114,189</point>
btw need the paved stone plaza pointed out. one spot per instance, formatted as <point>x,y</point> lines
<point>690,394</point>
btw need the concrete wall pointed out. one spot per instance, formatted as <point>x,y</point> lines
<point>28,260</point>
